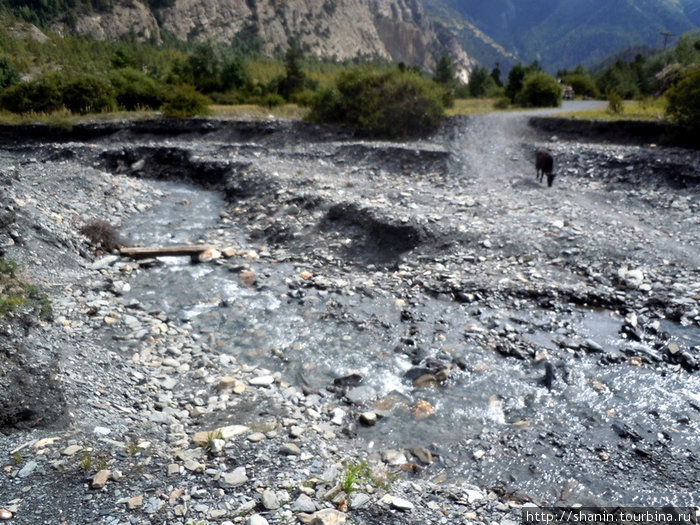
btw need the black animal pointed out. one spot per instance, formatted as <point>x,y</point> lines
<point>544,164</point>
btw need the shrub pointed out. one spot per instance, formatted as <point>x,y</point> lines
<point>38,96</point>
<point>615,103</point>
<point>136,90</point>
<point>88,94</point>
<point>186,102</point>
<point>8,73</point>
<point>481,82</point>
<point>540,90</point>
<point>582,84</point>
<point>391,104</point>
<point>271,100</point>
<point>502,103</point>
<point>102,234</point>
<point>515,81</point>
<point>684,104</point>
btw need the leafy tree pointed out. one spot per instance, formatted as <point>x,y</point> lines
<point>186,102</point>
<point>294,78</point>
<point>480,82</point>
<point>204,68</point>
<point>135,90</point>
<point>390,104</point>
<point>88,94</point>
<point>581,82</point>
<point>445,72</point>
<point>620,78</point>
<point>39,96</point>
<point>8,73</point>
<point>515,81</point>
<point>496,75</point>
<point>234,74</point>
<point>540,90</point>
<point>684,104</point>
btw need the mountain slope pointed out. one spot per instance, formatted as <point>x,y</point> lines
<point>338,29</point>
<point>564,33</point>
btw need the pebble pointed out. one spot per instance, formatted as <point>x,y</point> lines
<point>100,479</point>
<point>304,504</point>
<point>234,479</point>
<point>290,449</point>
<point>266,380</point>
<point>269,500</point>
<point>28,468</point>
<point>256,519</point>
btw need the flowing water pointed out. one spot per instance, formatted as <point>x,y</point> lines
<point>495,423</point>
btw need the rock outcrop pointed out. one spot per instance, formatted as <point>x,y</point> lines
<point>336,29</point>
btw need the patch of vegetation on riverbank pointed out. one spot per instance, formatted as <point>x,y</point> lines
<point>645,109</point>
<point>16,293</point>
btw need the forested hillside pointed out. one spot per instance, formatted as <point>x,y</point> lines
<point>559,33</point>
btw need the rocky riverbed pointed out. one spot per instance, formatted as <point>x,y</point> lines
<point>387,332</point>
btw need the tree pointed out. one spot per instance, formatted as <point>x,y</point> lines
<point>8,73</point>
<point>480,82</point>
<point>294,78</point>
<point>684,104</point>
<point>515,81</point>
<point>445,72</point>
<point>496,75</point>
<point>540,89</point>
<point>389,104</point>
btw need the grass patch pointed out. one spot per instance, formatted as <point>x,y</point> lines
<point>359,473</point>
<point>16,293</point>
<point>653,110</point>
<point>473,106</point>
<point>286,111</point>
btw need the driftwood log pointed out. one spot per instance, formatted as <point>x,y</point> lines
<point>144,252</point>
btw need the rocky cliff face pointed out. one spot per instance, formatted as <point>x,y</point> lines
<point>340,29</point>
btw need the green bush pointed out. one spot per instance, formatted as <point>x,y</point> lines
<point>502,103</point>
<point>37,96</point>
<point>271,100</point>
<point>481,83</point>
<point>136,90</point>
<point>186,102</point>
<point>684,104</point>
<point>616,104</point>
<point>88,94</point>
<point>8,73</point>
<point>582,84</point>
<point>516,76</point>
<point>540,90</point>
<point>379,103</point>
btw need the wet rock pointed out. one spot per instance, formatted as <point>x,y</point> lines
<point>368,418</point>
<point>422,410</point>
<point>361,394</point>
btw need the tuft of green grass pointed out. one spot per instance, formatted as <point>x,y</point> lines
<point>355,473</point>
<point>653,110</point>
<point>208,445</point>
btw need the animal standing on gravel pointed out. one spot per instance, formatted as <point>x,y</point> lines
<point>544,164</point>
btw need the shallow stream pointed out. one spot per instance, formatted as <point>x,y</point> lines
<point>495,422</point>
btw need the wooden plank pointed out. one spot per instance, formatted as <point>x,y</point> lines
<point>143,252</point>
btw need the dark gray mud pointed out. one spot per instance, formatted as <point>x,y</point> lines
<point>541,342</point>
